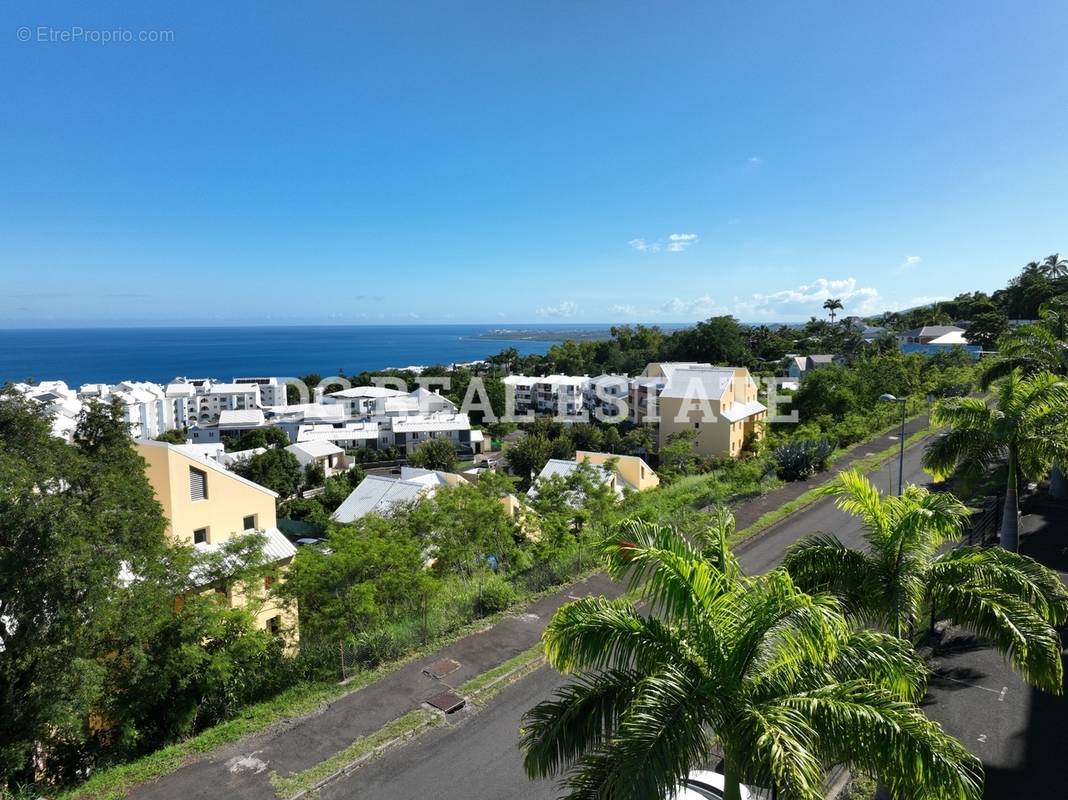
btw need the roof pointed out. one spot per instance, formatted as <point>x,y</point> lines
<point>431,422</point>
<point>241,416</point>
<point>953,337</point>
<point>317,448</point>
<point>563,468</point>
<point>823,358</point>
<point>739,411</point>
<point>367,391</point>
<point>704,383</point>
<point>517,380</point>
<point>609,380</point>
<point>232,388</point>
<point>328,433</point>
<point>208,463</point>
<point>276,547</point>
<point>930,331</point>
<point>378,494</point>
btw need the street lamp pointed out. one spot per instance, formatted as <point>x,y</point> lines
<point>889,398</point>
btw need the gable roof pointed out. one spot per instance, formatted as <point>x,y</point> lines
<point>209,463</point>
<point>316,448</point>
<point>378,494</point>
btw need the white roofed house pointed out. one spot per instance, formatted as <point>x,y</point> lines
<point>563,469</point>
<point>323,453</point>
<point>272,390</point>
<point>361,401</point>
<point>383,495</point>
<point>58,400</point>
<point>214,398</point>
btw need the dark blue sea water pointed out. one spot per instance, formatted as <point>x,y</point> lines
<point>107,355</point>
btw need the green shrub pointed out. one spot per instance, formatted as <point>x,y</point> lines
<point>497,595</point>
<point>802,459</point>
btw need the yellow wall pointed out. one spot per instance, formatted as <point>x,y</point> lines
<point>713,439</point>
<point>229,500</point>
<point>631,469</point>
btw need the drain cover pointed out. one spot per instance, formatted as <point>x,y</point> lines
<point>439,669</point>
<point>447,702</point>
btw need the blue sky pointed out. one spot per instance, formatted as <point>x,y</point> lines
<point>282,162</point>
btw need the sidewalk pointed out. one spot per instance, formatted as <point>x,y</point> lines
<point>748,512</point>
<point>242,769</point>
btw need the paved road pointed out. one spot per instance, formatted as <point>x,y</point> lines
<point>477,758</point>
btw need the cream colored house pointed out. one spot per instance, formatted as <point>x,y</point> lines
<point>631,470</point>
<point>719,404</point>
<point>206,505</point>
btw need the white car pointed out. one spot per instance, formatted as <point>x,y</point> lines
<point>703,785</point>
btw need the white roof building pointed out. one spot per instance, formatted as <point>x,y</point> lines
<point>381,495</point>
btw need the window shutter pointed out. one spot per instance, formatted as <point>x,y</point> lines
<point>198,484</point>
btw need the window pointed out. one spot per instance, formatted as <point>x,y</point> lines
<point>268,582</point>
<point>274,625</point>
<point>198,484</point>
<point>249,523</point>
<point>200,536</point>
<point>696,425</point>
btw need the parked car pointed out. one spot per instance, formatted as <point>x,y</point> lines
<point>703,785</point>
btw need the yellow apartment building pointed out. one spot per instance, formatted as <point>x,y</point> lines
<point>719,404</point>
<point>205,505</point>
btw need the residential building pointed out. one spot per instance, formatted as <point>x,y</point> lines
<point>563,468</point>
<point>719,404</point>
<point>607,394</point>
<point>382,495</point>
<point>322,453</point>
<point>59,400</point>
<point>562,395</point>
<point>631,471</point>
<point>361,401</point>
<point>206,505</point>
<point>272,390</point>
<point>409,432</point>
<point>214,398</point>
<point>930,339</point>
<point>797,367</point>
<point>522,390</point>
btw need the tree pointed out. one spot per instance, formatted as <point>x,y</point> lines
<point>73,520</point>
<point>1027,424</point>
<point>987,327</point>
<point>268,436</point>
<point>832,305</point>
<point>527,457</point>
<point>174,436</point>
<point>777,677</point>
<point>435,454</point>
<point>277,470</point>
<point>1055,267</point>
<point>1003,597</point>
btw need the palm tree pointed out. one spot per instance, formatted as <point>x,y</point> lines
<point>1008,599</point>
<point>1055,267</point>
<point>832,304</point>
<point>776,676</point>
<point>1028,425</point>
<point>1032,349</point>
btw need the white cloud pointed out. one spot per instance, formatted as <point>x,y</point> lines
<point>699,305</point>
<point>674,243</point>
<point>910,262</point>
<point>677,242</point>
<point>413,315</point>
<point>807,300</point>
<point>623,309</point>
<point>565,309</point>
<point>643,246</point>
<point>755,161</point>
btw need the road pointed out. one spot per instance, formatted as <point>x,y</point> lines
<point>477,757</point>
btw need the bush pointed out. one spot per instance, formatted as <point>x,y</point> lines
<point>497,595</point>
<point>802,459</point>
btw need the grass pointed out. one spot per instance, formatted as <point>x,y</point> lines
<point>481,687</point>
<point>411,724</point>
<point>114,782</point>
<point>865,464</point>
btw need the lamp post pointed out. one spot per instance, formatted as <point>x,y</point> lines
<point>889,398</point>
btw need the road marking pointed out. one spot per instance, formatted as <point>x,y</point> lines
<point>982,738</point>
<point>1000,694</point>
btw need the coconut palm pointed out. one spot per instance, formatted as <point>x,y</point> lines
<point>1055,267</point>
<point>1027,425</point>
<point>774,675</point>
<point>832,304</point>
<point>1003,597</point>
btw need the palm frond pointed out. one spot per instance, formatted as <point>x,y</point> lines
<point>595,633</point>
<point>579,718</point>
<point>857,495</point>
<point>887,662</point>
<point>821,563</point>
<point>1009,572</point>
<point>1030,643</point>
<point>911,754</point>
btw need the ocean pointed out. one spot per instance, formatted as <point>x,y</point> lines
<point>109,355</point>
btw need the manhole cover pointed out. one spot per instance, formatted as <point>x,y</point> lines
<point>439,669</point>
<point>447,702</point>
